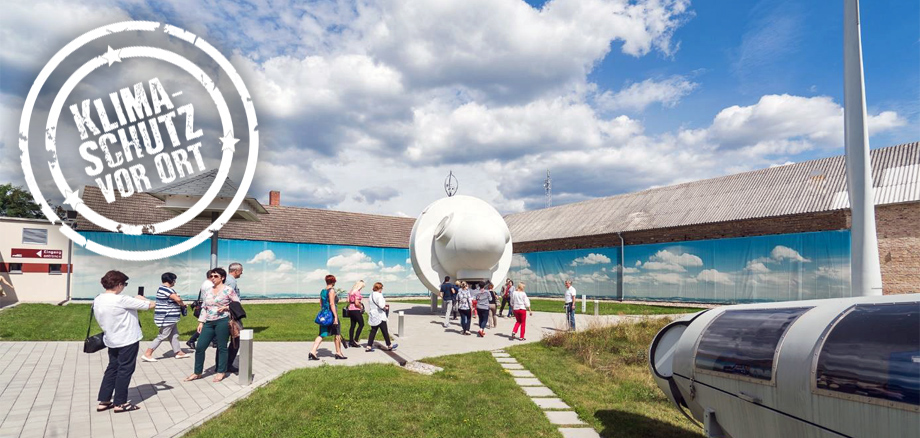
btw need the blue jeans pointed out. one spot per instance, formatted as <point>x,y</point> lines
<point>466,317</point>
<point>570,314</point>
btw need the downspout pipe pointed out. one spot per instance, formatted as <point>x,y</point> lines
<point>620,269</point>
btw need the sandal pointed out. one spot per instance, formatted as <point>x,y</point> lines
<point>127,407</point>
<point>104,406</point>
<point>192,377</point>
<point>217,379</point>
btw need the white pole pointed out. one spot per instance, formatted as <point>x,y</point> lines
<point>584,304</point>
<point>865,272</point>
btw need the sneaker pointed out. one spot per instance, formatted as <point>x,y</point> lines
<point>512,336</point>
<point>522,339</point>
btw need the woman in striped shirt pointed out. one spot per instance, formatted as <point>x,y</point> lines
<point>166,316</point>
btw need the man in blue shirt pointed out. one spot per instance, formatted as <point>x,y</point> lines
<point>447,299</point>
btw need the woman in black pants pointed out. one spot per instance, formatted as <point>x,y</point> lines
<point>355,313</point>
<point>377,318</point>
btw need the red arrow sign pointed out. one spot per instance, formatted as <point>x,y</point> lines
<point>37,253</point>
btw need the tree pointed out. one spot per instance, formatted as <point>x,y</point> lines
<point>15,201</point>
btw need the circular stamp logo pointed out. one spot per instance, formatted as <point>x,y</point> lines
<point>139,115</point>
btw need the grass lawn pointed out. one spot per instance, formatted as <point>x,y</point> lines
<point>603,374</point>
<point>47,322</point>
<point>472,397</point>
<point>606,307</point>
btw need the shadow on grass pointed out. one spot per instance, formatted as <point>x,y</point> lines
<point>620,424</point>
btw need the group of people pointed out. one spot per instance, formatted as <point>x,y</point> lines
<point>217,309</point>
<point>377,313</point>
<point>462,297</point>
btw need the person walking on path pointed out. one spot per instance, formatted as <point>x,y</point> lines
<point>521,305</point>
<point>236,271</point>
<point>328,301</point>
<point>355,313</point>
<point>117,316</point>
<point>447,300</point>
<point>506,297</point>
<point>206,287</point>
<point>377,318</point>
<point>493,299</point>
<point>166,317</point>
<point>570,295</point>
<point>454,314</point>
<point>465,304</point>
<point>214,322</point>
<point>482,309</point>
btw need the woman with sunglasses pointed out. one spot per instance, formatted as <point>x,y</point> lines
<point>214,322</point>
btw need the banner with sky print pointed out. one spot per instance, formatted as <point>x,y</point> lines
<point>738,270</point>
<point>271,269</point>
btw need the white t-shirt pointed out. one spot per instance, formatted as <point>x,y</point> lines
<point>117,315</point>
<point>375,310</point>
<point>570,295</point>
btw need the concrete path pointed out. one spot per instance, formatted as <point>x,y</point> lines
<point>49,388</point>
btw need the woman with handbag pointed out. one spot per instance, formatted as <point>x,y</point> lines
<point>377,318</point>
<point>493,300</point>
<point>117,315</point>
<point>166,317</point>
<point>328,320</point>
<point>355,313</point>
<point>214,322</point>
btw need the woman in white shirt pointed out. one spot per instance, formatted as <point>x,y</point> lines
<point>520,304</point>
<point>465,305</point>
<point>117,315</point>
<point>377,318</point>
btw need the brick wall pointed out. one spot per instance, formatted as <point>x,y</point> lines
<point>898,228</point>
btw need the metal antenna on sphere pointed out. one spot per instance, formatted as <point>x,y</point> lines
<point>548,186</point>
<point>451,184</point>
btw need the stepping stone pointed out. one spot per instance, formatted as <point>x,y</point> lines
<point>563,417</point>
<point>578,432</point>
<point>521,373</point>
<point>527,382</point>
<point>501,355</point>
<point>506,360</point>
<point>512,366</point>
<point>550,403</point>
<point>540,391</point>
<point>498,351</point>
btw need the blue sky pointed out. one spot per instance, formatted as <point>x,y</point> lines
<point>367,105</point>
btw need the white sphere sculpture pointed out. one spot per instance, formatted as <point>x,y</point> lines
<point>462,237</point>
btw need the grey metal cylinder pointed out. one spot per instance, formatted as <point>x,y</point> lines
<point>245,357</point>
<point>400,325</point>
<point>597,308</point>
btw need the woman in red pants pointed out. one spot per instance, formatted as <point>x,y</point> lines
<point>520,304</point>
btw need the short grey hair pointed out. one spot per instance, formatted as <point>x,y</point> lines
<point>235,266</point>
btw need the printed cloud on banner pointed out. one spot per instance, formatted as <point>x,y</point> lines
<point>591,259</point>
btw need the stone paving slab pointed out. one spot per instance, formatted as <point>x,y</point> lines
<point>520,373</point>
<point>538,391</point>
<point>578,432</point>
<point>512,366</point>
<point>524,381</point>
<point>563,417</point>
<point>506,360</point>
<point>550,403</point>
<point>501,355</point>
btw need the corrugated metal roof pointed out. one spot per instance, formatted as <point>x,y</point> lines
<point>807,187</point>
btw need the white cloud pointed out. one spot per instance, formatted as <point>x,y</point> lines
<point>267,256</point>
<point>669,278</point>
<point>714,276</point>
<point>833,273</point>
<point>637,96</point>
<point>591,259</point>
<point>356,261</point>
<point>316,274</point>
<point>392,269</point>
<point>780,253</point>
<point>756,267</point>
<point>628,270</point>
<point>683,259</point>
<point>519,261</point>
<point>659,266</point>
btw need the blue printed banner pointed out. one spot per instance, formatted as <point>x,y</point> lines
<point>271,269</point>
<point>749,269</point>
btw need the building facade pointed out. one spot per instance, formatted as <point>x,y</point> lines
<point>36,259</point>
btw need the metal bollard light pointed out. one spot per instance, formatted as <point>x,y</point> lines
<point>400,325</point>
<point>245,357</point>
<point>596,308</point>
<point>584,304</point>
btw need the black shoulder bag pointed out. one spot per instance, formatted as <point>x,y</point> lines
<point>95,342</point>
<point>197,305</point>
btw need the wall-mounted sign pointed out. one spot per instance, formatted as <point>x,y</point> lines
<point>37,253</point>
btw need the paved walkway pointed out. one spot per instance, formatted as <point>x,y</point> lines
<point>49,388</point>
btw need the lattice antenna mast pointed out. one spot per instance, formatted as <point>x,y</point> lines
<point>548,187</point>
